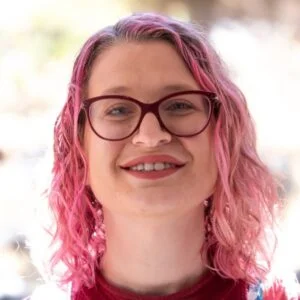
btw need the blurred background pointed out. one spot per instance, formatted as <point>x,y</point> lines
<point>39,39</point>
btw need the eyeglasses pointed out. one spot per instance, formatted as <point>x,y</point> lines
<point>183,114</point>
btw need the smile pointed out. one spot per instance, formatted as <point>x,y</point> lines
<point>148,167</point>
<point>153,166</point>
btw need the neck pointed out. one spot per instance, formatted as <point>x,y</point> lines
<point>153,256</point>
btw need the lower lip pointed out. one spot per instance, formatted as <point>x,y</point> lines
<point>153,174</point>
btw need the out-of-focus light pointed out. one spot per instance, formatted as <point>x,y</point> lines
<point>255,55</point>
<point>16,15</point>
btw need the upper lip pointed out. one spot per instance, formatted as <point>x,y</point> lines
<point>153,159</point>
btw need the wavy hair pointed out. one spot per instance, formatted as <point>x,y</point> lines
<point>243,205</point>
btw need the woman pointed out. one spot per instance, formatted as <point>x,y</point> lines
<point>158,191</point>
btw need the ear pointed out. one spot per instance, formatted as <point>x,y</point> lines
<point>81,127</point>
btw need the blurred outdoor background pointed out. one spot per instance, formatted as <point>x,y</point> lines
<point>39,39</point>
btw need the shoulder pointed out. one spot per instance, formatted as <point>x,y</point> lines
<point>278,289</point>
<point>50,291</point>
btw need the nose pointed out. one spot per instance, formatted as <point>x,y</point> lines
<point>150,134</point>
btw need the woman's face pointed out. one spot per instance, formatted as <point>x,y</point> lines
<point>147,71</point>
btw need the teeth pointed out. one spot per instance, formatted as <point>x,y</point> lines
<point>159,166</point>
<point>140,167</point>
<point>147,167</point>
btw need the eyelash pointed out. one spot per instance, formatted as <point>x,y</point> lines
<point>185,104</point>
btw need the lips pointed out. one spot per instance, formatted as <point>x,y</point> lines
<point>152,160</point>
<point>140,167</point>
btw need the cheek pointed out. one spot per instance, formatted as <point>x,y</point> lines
<point>205,164</point>
<point>203,157</point>
<point>101,157</point>
<point>205,173</point>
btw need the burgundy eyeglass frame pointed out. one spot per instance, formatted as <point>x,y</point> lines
<point>150,108</point>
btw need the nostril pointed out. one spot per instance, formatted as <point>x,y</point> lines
<point>151,133</point>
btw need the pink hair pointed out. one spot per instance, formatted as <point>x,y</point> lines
<point>245,196</point>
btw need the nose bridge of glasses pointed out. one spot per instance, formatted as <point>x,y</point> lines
<point>147,108</point>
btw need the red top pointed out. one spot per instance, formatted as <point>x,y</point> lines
<point>210,286</point>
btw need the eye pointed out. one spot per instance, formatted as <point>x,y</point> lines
<point>118,111</point>
<point>178,107</point>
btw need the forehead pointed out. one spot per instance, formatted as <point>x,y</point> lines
<point>139,68</point>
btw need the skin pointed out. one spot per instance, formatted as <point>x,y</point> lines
<point>149,223</point>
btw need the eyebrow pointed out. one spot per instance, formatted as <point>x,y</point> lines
<point>165,89</point>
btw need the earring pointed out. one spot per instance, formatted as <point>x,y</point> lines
<point>98,225</point>
<point>207,218</point>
